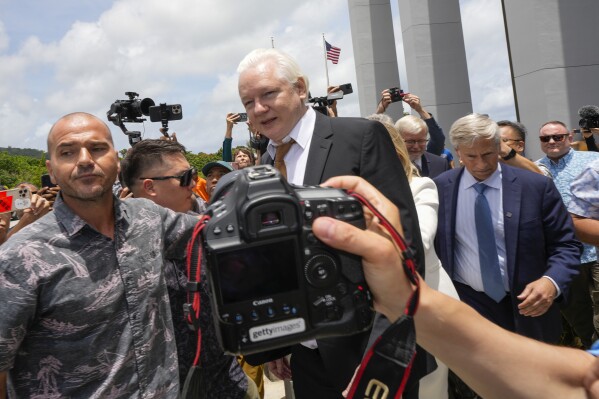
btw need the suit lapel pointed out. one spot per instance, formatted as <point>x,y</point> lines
<point>512,196</point>
<point>319,150</point>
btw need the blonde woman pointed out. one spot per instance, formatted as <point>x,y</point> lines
<point>426,199</point>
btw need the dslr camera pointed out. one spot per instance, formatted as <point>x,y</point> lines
<point>273,282</point>
<point>396,94</point>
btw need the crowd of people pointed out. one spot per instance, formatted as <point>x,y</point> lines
<point>93,278</point>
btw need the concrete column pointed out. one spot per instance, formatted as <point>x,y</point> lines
<point>436,58</point>
<point>555,61</point>
<point>374,52</point>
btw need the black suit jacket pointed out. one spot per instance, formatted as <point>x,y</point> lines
<point>433,165</point>
<point>360,147</point>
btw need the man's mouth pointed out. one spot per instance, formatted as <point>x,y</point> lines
<point>267,122</point>
<point>88,176</point>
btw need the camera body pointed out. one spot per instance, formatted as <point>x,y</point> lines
<point>131,110</point>
<point>274,282</point>
<point>589,123</point>
<point>346,88</point>
<point>396,94</point>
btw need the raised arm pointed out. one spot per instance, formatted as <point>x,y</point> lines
<point>497,364</point>
<point>227,142</point>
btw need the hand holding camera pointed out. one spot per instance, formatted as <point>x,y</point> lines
<point>389,96</point>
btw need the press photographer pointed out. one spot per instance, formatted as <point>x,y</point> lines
<point>589,125</point>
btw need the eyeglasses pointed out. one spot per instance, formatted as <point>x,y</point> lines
<point>185,179</point>
<point>505,140</point>
<point>556,137</point>
<point>419,142</point>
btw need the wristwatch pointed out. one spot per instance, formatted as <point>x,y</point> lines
<point>510,155</point>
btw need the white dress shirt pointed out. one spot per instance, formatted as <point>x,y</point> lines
<point>297,157</point>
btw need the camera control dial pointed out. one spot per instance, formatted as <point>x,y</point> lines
<point>321,271</point>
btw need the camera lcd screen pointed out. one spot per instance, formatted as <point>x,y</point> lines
<point>258,271</point>
<point>318,193</point>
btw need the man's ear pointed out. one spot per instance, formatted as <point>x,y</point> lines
<point>50,172</point>
<point>148,187</point>
<point>300,86</point>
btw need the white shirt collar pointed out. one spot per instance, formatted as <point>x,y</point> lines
<point>493,181</point>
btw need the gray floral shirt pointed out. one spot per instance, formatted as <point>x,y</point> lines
<point>84,316</point>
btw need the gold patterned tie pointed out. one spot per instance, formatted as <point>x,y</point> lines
<point>282,150</point>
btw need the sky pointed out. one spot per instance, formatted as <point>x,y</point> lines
<point>81,55</point>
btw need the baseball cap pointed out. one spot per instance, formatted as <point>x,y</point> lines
<point>212,164</point>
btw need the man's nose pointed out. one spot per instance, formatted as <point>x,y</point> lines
<point>260,107</point>
<point>85,157</point>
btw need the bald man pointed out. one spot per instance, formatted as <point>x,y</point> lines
<point>85,308</point>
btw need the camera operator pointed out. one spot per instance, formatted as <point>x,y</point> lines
<point>158,170</point>
<point>332,106</point>
<point>589,125</point>
<point>243,157</point>
<point>437,138</point>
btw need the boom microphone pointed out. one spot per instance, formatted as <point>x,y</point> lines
<point>589,117</point>
<point>589,112</point>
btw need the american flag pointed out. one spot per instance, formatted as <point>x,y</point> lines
<point>332,52</point>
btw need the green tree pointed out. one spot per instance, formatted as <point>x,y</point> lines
<point>15,169</point>
<point>199,160</point>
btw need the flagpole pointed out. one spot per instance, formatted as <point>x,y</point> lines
<point>326,67</point>
<point>272,41</point>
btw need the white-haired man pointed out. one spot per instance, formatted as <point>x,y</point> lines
<point>310,148</point>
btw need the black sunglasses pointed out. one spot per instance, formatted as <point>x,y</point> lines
<point>556,137</point>
<point>185,179</point>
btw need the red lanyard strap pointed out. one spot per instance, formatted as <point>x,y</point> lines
<point>386,367</point>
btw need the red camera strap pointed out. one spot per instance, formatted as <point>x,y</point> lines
<point>194,266</point>
<point>194,381</point>
<point>386,367</point>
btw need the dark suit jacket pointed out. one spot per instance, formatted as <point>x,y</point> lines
<point>539,240</point>
<point>360,147</point>
<point>433,165</point>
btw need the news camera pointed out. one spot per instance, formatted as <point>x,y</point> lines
<point>133,109</point>
<point>274,282</point>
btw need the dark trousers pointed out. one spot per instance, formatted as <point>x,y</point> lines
<point>310,376</point>
<point>582,308</point>
<point>501,313</point>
